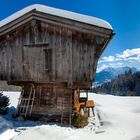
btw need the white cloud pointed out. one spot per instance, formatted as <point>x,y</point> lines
<point>126,58</point>
<point>108,59</point>
<point>129,53</point>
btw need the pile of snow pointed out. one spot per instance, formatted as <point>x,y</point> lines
<point>4,125</point>
<point>120,116</point>
<point>8,134</point>
<point>59,13</point>
<point>6,129</point>
<point>117,118</point>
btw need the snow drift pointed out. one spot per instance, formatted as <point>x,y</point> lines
<point>117,118</point>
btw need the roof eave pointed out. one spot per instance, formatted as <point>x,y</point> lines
<point>34,14</point>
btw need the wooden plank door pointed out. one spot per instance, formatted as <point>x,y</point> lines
<point>37,63</point>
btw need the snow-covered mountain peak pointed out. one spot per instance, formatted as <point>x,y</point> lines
<point>109,73</point>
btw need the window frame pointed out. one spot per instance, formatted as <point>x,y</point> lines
<point>47,57</point>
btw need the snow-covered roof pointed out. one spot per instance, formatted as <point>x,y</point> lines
<point>58,12</point>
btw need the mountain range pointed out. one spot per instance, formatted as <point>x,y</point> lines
<point>110,73</point>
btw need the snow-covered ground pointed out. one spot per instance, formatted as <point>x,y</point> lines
<point>119,120</point>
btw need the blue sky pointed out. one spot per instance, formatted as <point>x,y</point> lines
<point>123,15</point>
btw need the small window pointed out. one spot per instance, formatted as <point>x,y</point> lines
<point>47,59</point>
<point>47,97</point>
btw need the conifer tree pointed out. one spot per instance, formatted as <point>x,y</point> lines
<point>4,102</point>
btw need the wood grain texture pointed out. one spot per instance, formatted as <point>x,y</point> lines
<point>74,54</point>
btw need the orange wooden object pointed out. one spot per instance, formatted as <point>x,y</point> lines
<point>89,103</point>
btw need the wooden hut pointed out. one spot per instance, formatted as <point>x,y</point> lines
<point>52,54</point>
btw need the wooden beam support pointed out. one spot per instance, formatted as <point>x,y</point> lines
<point>45,84</point>
<point>38,44</point>
<point>82,85</point>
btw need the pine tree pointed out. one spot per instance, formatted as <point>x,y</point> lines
<point>127,84</point>
<point>4,102</point>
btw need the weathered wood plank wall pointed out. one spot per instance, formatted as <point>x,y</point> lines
<point>73,54</point>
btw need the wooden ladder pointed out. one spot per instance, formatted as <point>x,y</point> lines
<point>70,109</point>
<point>25,105</point>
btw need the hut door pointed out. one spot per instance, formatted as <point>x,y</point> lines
<point>37,63</point>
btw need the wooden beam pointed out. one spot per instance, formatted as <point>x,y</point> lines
<point>70,117</point>
<point>36,44</point>
<point>82,85</point>
<point>44,83</point>
<point>21,21</point>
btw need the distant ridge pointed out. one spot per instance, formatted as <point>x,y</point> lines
<point>127,84</point>
<point>110,73</point>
